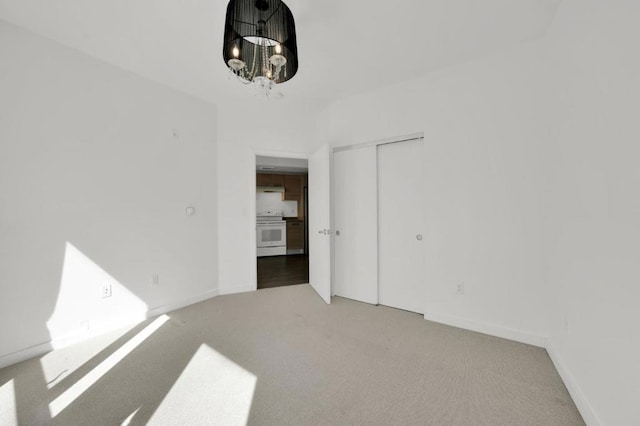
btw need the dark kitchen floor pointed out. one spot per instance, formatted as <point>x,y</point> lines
<point>277,271</point>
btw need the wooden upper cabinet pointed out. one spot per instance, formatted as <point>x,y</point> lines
<point>292,187</point>
<point>268,179</point>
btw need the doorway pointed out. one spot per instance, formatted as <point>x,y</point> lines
<point>282,230</point>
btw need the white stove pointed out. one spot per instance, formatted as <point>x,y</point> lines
<point>271,234</point>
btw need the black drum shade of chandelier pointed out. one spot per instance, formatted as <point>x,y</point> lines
<point>260,42</point>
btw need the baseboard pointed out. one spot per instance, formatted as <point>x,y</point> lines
<point>236,289</point>
<point>163,309</point>
<point>25,354</point>
<point>98,329</point>
<point>488,328</point>
<point>579,398</point>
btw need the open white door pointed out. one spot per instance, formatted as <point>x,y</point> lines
<point>319,223</point>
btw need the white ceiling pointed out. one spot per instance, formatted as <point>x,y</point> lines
<point>345,46</point>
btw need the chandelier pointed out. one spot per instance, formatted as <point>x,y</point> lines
<point>260,42</point>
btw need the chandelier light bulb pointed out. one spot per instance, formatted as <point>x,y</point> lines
<point>236,52</point>
<point>278,49</point>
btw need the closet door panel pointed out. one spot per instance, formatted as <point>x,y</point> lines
<point>400,226</point>
<point>355,224</point>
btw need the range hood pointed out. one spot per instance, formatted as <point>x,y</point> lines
<point>276,189</point>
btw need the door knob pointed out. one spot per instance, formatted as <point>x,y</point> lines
<point>419,237</point>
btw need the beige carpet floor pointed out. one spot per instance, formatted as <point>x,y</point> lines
<point>282,357</point>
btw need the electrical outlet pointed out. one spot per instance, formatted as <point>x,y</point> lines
<point>460,288</point>
<point>106,291</point>
<point>154,280</point>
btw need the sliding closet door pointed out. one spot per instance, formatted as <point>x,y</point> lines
<point>400,226</point>
<point>355,224</point>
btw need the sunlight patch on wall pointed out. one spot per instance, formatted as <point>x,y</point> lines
<point>82,308</point>
<point>212,389</point>
<point>81,386</point>
<point>8,414</point>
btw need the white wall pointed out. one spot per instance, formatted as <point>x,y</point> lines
<point>532,195</point>
<point>93,190</point>
<point>594,205</point>
<point>484,125</point>
<point>247,127</point>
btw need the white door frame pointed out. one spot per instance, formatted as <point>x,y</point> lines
<point>253,250</point>
<point>395,139</point>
